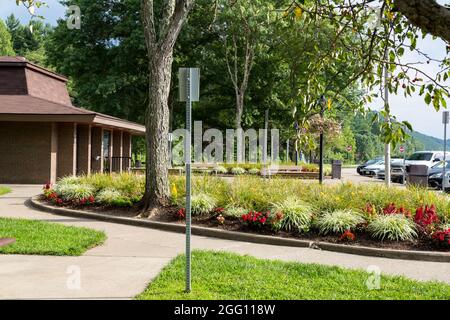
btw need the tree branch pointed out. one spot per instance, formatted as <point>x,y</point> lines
<point>428,15</point>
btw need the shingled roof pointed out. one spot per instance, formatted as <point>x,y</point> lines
<point>29,92</point>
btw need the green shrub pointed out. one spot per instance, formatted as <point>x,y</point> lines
<point>297,215</point>
<point>71,192</point>
<point>69,180</point>
<point>107,196</point>
<point>338,221</point>
<point>220,170</point>
<point>235,212</point>
<point>393,227</point>
<point>254,171</point>
<point>202,203</point>
<point>238,171</point>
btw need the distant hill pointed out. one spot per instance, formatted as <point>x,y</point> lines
<point>429,142</point>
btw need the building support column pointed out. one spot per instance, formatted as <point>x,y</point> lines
<point>54,153</point>
<point>97,149</point>
<point>111,150</point>
<point>126,166</point>
<point>117,151</point>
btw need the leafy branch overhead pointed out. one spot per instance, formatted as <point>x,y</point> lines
<point>369,38</point>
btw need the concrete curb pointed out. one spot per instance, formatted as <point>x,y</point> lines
<point>248,237</point>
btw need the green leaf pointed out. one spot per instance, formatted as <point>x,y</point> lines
<point>427,98</point>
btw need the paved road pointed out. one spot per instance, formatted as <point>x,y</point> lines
<point>133,256</point>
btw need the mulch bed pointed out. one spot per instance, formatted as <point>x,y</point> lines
<point>169,215</point>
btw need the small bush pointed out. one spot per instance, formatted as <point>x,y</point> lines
<point>107,196</point>
<point>338,221</point>
<point>220,170</point>
<point>392,227</point>
<point>254,171</point>
<point>297,215</point>
<point>72,192</point>
<point>238,171</point>
<point>202,204</point>
<point>235,212</point>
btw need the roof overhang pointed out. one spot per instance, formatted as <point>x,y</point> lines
<point>93,119</point>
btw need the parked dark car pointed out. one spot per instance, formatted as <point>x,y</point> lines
<point>360,168</point>
<point>435,175</point>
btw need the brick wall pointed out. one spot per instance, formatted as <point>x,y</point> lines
<point>83,149</point>
<point>97,149</point>
<point>25,150</point>
<point>67,146</point>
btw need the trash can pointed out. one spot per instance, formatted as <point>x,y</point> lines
<point>417,175</point>
<point>336,169</point>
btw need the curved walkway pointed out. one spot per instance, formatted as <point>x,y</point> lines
<point>132,256</point>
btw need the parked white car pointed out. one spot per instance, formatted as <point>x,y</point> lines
<point>427,158</point>
<point>373,169</point>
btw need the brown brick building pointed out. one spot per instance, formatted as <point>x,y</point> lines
<point>44,137</point>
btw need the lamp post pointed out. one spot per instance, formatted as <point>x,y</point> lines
<point>322,103</point>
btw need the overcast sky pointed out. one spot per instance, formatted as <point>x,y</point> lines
<point>423,118</point>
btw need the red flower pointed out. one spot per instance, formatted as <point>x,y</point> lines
<point>47,186</point>
<point>427,217</point>
<point>59,201</point>
<point>181,213</point>
<point>255,219</point>
<point>52,196</point>
<point>83,201</point>
<point>390,209</point>
<point>219,210</point>
<point>91,199</point>
<point>347,236</point>
<point>441,238</point>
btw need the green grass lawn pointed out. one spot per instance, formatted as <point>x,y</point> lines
<point>218,276</point>
<point>4,190</point>
<point>43,238</point>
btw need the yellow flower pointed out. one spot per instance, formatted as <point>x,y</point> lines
<point>390,15</point>
<point>174,191</point>
<point>298,12</point>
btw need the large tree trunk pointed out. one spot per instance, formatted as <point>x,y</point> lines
<point>239,110</point>
<point>157,123</point>
<point>428,15</point>
<point>161,34</point>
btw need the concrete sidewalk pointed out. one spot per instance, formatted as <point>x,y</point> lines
<point>132,256</point>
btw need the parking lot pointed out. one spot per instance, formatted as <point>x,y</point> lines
<point>350,174</point>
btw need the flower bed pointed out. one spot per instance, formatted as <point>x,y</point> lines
<point>96,191</point>
<point>356,214</point>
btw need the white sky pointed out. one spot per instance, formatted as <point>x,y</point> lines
<point>413,109</point>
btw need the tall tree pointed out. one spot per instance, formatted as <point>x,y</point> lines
<point>162,21</point>
<point>105,59</point>
<point>6,48</point>
<point>242,25</point>
<point>29,40</point>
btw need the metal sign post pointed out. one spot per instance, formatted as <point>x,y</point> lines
<point>402,150</point>
<point>445,121</point>
<point>189,80</point>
